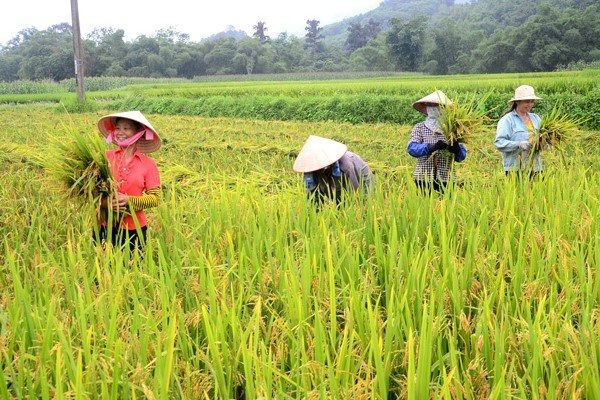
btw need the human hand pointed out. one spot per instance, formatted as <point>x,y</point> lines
<point>119,202</point>
<point>455,148</point>
<point>524,145</point>
<point>439,145</point>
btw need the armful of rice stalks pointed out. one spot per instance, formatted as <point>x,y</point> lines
<point>461,121</point>
<point>556,127</point>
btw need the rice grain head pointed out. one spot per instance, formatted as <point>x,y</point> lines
<point>78,167</point>
<point>555,128</point>
<point>462,120</point>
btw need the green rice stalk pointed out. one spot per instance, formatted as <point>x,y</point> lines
<point>462,120</point>
<point>556,127</point>
<point>78,167</point>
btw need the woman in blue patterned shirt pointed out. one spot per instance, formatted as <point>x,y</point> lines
<point>427,143</point>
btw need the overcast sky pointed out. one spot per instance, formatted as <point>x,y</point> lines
<point>199,18</point>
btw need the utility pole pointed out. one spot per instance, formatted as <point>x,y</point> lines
<point>77,50</point>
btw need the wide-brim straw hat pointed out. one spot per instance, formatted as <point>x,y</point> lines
<point>524,92</point>
<point>106,125</point>
<point>318,153</point>
<point>437,97</point>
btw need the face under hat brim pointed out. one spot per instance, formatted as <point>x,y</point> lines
<point>106,125</point>
<point>438,97</point>
<point>524,92</point>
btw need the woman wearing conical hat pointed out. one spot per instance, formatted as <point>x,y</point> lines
<point>136,175</point>
<point>329,169</point>
<point>428,145</point>
<point>514,130</point>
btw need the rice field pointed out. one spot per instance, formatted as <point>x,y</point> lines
<point>246,292</point>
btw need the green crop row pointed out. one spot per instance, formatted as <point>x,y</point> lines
<point>490,292</point>
<point>365,100</point>
<point>343,108</point>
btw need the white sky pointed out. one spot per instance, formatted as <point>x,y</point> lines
<point>199,19</point>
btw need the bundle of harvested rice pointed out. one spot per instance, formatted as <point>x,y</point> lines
<point>461,120</point>
<point>555,127</point>
<point>78,167</point>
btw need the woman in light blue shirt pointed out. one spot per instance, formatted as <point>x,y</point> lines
<point>515,129</point>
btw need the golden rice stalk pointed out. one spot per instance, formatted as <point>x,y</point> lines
<point>555,127</point>
<point>462,120</point>
<point>13,152</point>
<point>78,166</point>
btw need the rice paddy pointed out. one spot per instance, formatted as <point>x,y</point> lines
<point>247,292</point>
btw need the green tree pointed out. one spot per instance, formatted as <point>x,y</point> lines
<point>288,53</point>
<point>104,48</point>
<point>372,29</point>
<point>313,38</point>
<point>219,59</point>
<point>260,30</point>
<point>171,36</point>
<point>253,56</point>
<point>447,47</point>
<point>359,35</point>
<point>9,66</point>
<point>356,37</point>
<point>189,60</point>
<point>10,55</point>
<point>47,54</point>
<point>406,42</point>
<point>372,57</point>
<point>553,37</point>
<point>496,54</point>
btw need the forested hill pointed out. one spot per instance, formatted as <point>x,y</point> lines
<point>446,36</point>
<point>387,10</point>
<point>429,36</point>
<point>504,13</point>
<point>492,13</point>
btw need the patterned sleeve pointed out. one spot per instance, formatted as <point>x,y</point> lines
<point>151,195</point>
<point>417,147</point>
<point>149,199</point>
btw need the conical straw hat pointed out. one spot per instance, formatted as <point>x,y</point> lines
<point>437,97</point>
<point>524,92</point>
<point>106,124</point>
<point>317,153</point>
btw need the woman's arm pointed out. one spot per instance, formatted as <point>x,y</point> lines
<point>504,140</point>
<point>151,198</point>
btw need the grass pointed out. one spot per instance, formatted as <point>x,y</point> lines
<point>246,292</point>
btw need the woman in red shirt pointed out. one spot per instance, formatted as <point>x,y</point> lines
<point>136,176</point>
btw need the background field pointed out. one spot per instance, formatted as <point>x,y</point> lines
<point>247,292</point>
<point>300,97</point>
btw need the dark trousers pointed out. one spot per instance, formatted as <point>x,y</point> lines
<point>427,187</point>
<point>524,174</point>
<point>121,237</point>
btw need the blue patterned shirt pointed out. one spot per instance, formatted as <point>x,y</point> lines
<point>434,166</point>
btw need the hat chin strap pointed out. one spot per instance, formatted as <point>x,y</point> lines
<point>149,135</point>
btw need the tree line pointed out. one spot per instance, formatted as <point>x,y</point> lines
<point>489,36</point>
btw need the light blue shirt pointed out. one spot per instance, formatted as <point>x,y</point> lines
<point>510,131</point>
